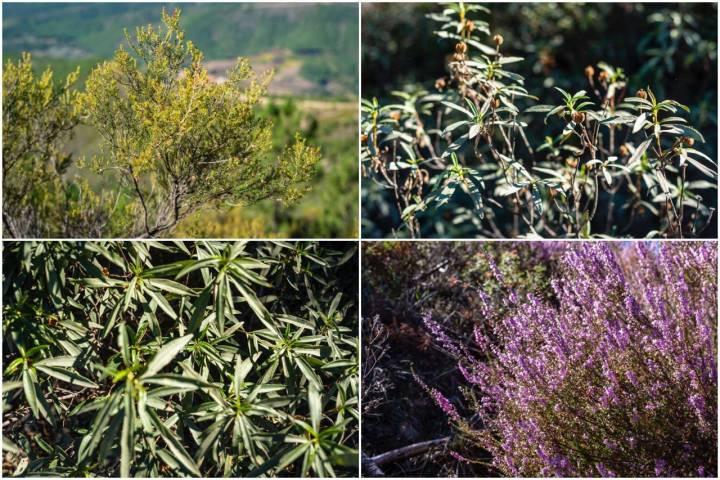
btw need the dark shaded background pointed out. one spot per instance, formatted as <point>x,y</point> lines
<point>672,47</point>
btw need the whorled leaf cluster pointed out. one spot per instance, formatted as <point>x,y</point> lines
<point>459,161</point>
<point>174,359</point>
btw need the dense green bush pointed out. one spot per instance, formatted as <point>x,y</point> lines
<point>187,358</point>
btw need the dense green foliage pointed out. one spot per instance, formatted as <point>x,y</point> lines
<point>319,34</point>
<point>177,141</point>
<point>329,210</point>
<point>571,48</point>
<point>38,118</point>
<point>172,359</point>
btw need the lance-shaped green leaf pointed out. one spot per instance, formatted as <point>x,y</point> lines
<point>220,301</point>
<point>179,381</point>
<point>103,417</point>
<point>170,286</point>
<point>198,310</point>
<point>111,321</point>
<point>30,393</point>
<point>315,406</point>
<point>196,265</point>
<point>67,376</point>
<point>162,303</point>
<point>127,439</point>
<point>166,355</point>
<point>256,306</point>
<point>61,361</point>
<point>124,341</point>
<point>308,372</point>
<point>173,443</point>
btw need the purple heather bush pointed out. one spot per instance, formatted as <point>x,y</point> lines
<point>611,373</point>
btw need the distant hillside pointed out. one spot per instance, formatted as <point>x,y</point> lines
<point>322,37</point>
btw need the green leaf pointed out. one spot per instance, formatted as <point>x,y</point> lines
<point>196,265</point>
<point>67,376</point>
<point>308,372</point>
<point>101,421</point>
<point>256,306</point>
<point>10,446</point>
<point>198,311</point>
<point>315,406</point>
<point>113,318</point>
<point>175,380</point>
<point>639,122</point>
<point>173,443</point>
<point>170,286</point>
<point>127,439</point>
<point>30,394</point>
<point>291,456</point>
<point>458,108</point>
<point>220,301</point>
<point>165,355</point>
<point>539,109</point>
<point>639,151</point>
<point>163,303</point>
<point>124,341</point>
<point>61,361</point>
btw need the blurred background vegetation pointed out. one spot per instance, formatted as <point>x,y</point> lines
<point>311,47</point>
<point>672,47</point>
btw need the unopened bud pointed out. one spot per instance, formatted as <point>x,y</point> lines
<point>498,39</point>
<point>641,94</point>
<point>589,71</point>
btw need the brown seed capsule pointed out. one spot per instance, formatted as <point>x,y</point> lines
<point>688,141</point>
<point>395,115</point>
<point>458,57</point>
<point>496,103</point>
<point>623,150</point>
<point>578,117</point>
<point>498,39</point>
<point>589,71</point>
<point>571,162</point>
<point>105,271</point>
<point>460,47</point>
<point>469,26</point>
<point>603,76</point>
<point>641,94</point>
<point>440,83</point>
<point>363,138</point>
